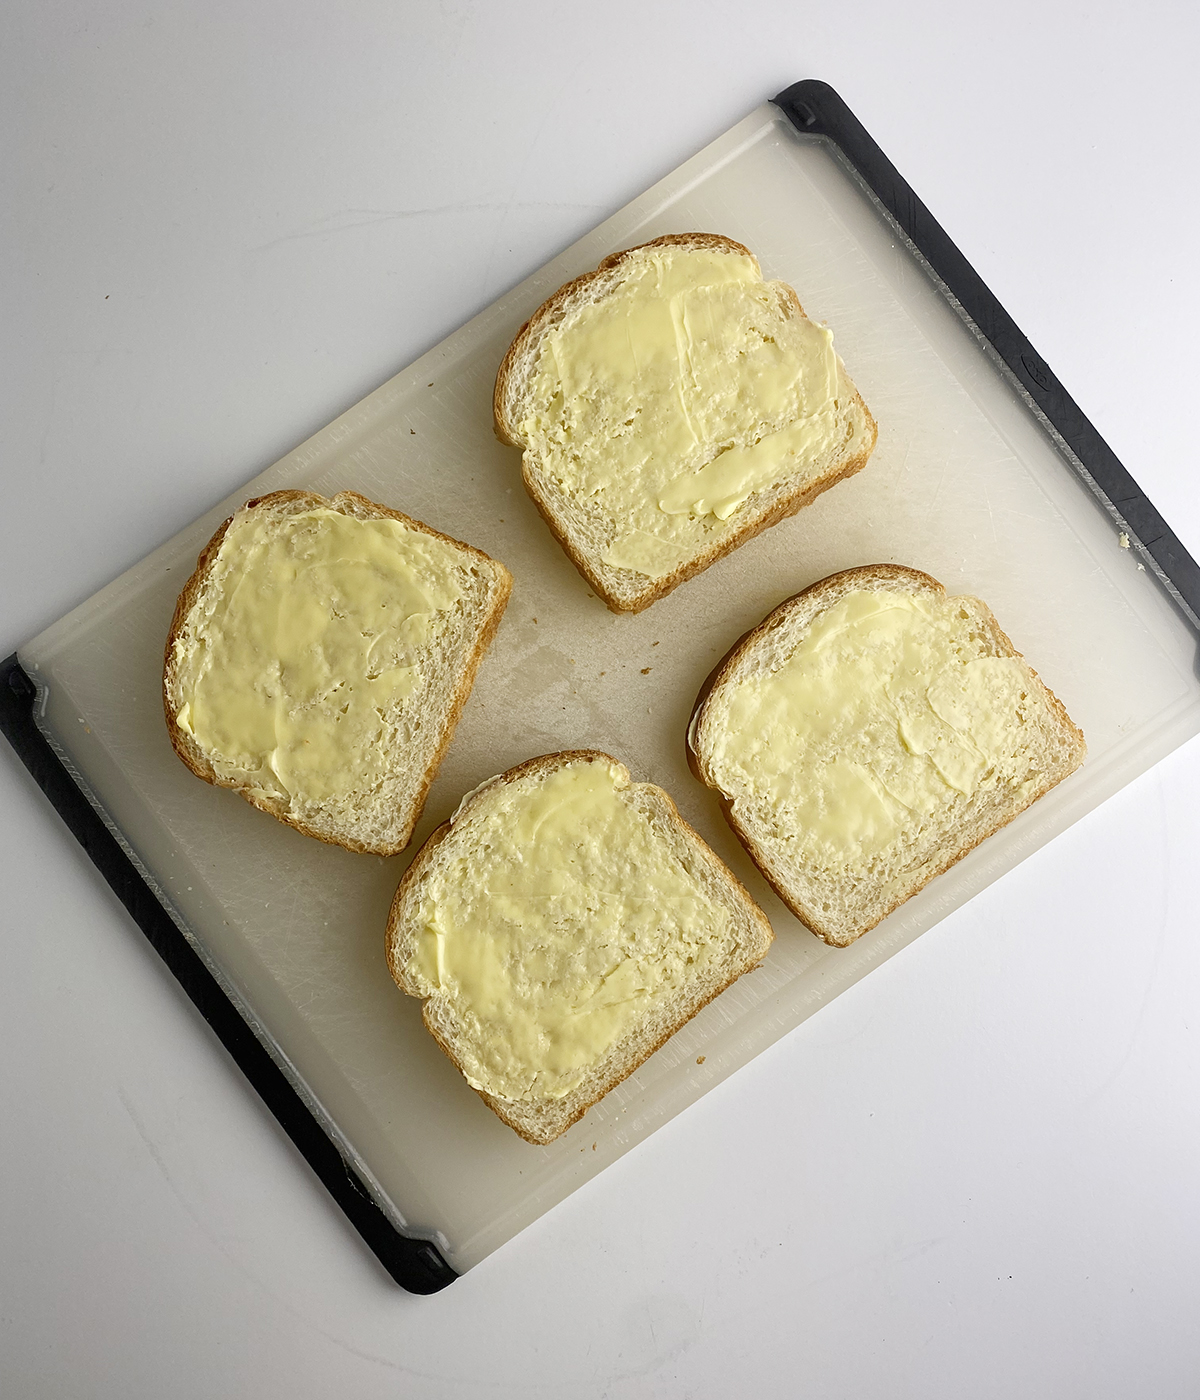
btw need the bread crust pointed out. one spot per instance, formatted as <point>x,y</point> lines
<point>820,596</point>
<point>346,503</point>
<point>543,320</point>
<point>541,1122</point>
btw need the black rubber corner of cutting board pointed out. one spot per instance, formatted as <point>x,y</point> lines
<point>816,109</point>
<point>414,1264</point>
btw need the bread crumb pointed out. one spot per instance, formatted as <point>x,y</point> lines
<point>604,673</point>
<point>1123,540</point>
<point>412,432</point>
<point>700,1059</point>
<point>593,1147</point>
<point>654,644</point>
<point>645,670</point>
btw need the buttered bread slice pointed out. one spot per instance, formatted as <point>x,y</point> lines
<point>319,659</point>
<point>560,927</point>
<point>868,734</point>
<point>669,406</point>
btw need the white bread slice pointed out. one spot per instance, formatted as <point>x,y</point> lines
<point>615,460</point>
<point>330,707</point>
<point>868,734</point>
<point>561,926</point>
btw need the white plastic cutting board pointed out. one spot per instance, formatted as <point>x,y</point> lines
<point>965,484</point>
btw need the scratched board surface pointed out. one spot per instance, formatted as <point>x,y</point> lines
<point>965,484</point>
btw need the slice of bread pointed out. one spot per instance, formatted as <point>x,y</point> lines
<point>670,406</point>
<point>868,734</point>
<point>319,659</point>
<point>561,926</point>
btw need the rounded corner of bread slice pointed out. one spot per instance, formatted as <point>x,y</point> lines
<point>560,928</point>
<point>867,735</point>
<point>326,694</point>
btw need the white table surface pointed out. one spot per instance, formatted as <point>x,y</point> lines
<point>978,1172</point>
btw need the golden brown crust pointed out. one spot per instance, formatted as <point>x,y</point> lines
<point>348,503</point>
<point>836,585</point>
<point>399,951</point>
<point>183,744</point>
<point>541,320</point>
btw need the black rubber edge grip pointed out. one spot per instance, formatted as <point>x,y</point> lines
<point>815,109</point>
<point>415,1264</point>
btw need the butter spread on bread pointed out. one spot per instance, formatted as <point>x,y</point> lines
<point>671,405</point>
<point>319,659</point>
<point>561,926</point>
<point>868,734</point>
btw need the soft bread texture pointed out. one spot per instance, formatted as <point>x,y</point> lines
<point>547,997</point>
<point>554,429</point>
<point>376,809</point>
<point>864,816</point>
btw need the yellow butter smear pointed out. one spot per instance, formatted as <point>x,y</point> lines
<point>664,406</point>
<point>563,919</point>
<point>884,710</point>
<point>304,641</point>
